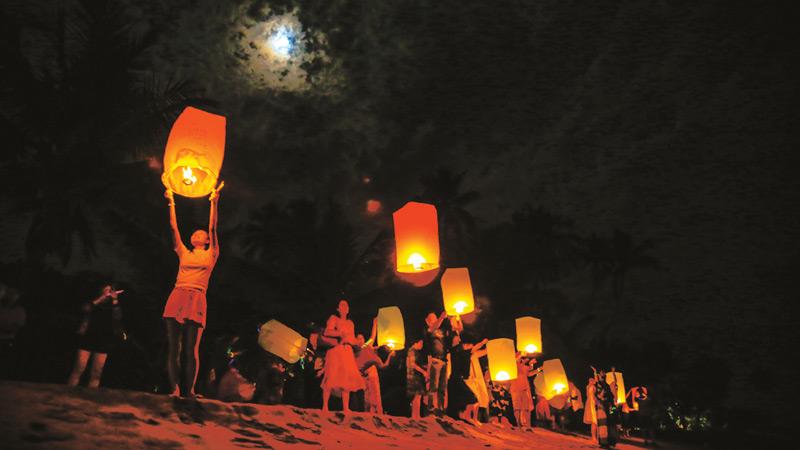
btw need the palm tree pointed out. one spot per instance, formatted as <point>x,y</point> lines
<point>628,255</point>
<point>78,101</point>
<point>443,189</point>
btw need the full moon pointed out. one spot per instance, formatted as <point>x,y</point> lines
<point>282,41</point>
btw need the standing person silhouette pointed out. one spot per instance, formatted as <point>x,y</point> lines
<point>185,311</point>
<point>341,371</point>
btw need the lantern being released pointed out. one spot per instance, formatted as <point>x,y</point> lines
<point>502,359</point>
<point>457,292</point>
<point>282,341</point>
<point>416,235</point>
<point>529,335</point>
<point>552,380</point>
<point>194,152</point>
<point>616,377</point>
<point>391,330</point>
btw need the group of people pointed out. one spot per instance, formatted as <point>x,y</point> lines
<point>444,373</point>
<point>609,418</point>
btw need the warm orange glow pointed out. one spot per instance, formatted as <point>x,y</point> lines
<point>416,233</point>
<point>188,176</point>
<point>282,341</point>
<point>529,335</point>
<point>373,206</point>
<point>457,292</point>
<point>612,377</point>
<point>391,329</point>
<point>194,153</point>
<point>502,359</point>
<point>552,380</point>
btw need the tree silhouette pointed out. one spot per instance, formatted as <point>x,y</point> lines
<point>627,255</point>
<point>82,106</point>
<point>443,189</point>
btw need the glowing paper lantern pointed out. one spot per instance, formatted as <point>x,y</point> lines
<point>391,330</point>
<point>502,359</point>
<point>457,292</point>
<point>282,341</point>
<point>529,335</point>
<point>194,152</point>
<point>552,380</point>
<point>612,377</point>
<point>416,235</point>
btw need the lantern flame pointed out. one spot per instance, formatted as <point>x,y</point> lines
<point>188,177</point>
<point>503,376</point>
<point>460,306</point>
<point>530,348</point>
<point>559,388</point>
<point>416,260</point>
<point>390,344</point>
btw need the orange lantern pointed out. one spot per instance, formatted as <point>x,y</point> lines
<point>502,359</point>
<point>616,377</point>
<point>282,341</point>
<point>529,335</point>
<point>391,330</point>
<point>194,152</point>
<point>457,292</point>
<point>416,236</point>
<point>552,380</point>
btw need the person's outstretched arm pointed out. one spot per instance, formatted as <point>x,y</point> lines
<point>177,243</point>
<point>212,219</point>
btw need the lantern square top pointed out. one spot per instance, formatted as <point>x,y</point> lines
<point>502,359</point>
<point>416,234</point>
<point>391,329</point>
<point>282,341</point>
<point>529,335</point>
<point>194,153</point>
<point>457,291</point>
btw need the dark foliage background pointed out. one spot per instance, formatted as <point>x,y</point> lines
<point>624,170</point>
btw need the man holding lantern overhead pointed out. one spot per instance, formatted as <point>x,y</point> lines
<point>436,343</point>
<point>185,312</point>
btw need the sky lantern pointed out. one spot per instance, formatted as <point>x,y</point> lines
<point>529,335</point>
<point>552,380</point>
<point>391,330</point>
<point>457,292</point>
<point>502,359</point>
<point>612,377</point>
<point>282,341</point>
<point>416,237</point>
<point>194,153</point>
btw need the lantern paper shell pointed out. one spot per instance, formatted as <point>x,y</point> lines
<point>391,330</point>
<point>416,235</point>
<point>457,292</point>
<point>552,380</point>
<point>282,341</point>
<point>194,153</point>
<point>611,377</point>
<point>529,335</point>
<point>502,359</point>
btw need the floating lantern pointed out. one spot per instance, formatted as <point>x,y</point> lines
<point>529,335</point>
<point>282,341</point>
<point>391,330</point>
<point>457,292</point>
<point>194,152</point>
<point>612,377</point>
<point>502,359</point>
<point>552,380</point>
<point>416,235</point>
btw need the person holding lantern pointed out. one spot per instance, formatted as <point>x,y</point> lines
<point>435,349</point>
<point>341,371</point>
<point>521,396</point>
<point>416,377</point>
<point>100,329</point>
<point>368,363</point>
<point>462,402</point>
<point>185,311</point>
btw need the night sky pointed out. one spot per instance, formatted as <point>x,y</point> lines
<point>672,123</point>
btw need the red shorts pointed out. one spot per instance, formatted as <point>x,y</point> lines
<point>186,304</point>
